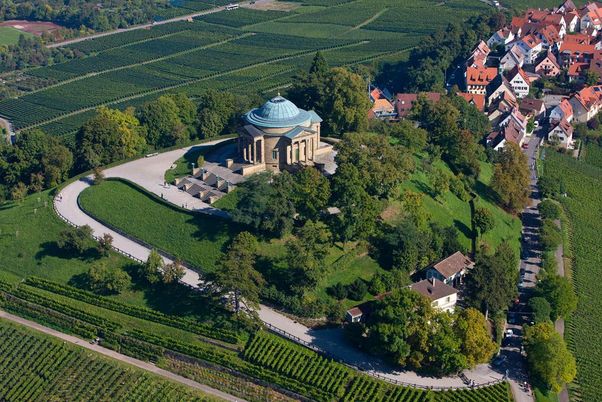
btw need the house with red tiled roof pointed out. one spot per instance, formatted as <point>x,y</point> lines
<point>501,107</point>
<point>513,57</point>
<point>548,66</point>
<point>498,88</point>
<point>566,7</point>
<point>497,139</point>
<point>478,100</point>
<point>571,52</point>
<point>591,17</point>
<point>531,46</point>
<point>477,79</point>
<point>595,66</point>
<point>500,37</point>
<point>382,109</point>
<point>405,102</point>
<point>562,134</point>
<point>577,71</point>
<point>519,82</point>
<point>586,103</point>
<point>532,108</point>
<point>572,21</point>
<point>562,111</point>
<point>516,25</point>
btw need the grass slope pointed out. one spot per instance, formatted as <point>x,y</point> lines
<point>10,35</point>
<point>39,367</point>
<point>584,207</point>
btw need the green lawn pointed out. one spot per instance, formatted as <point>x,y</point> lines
<point>10,35</point>
<point>449,210</point>
<point>583,205</point>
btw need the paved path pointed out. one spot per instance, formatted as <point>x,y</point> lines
<point>117,356</point>
<point>148,173</point>
<point>148,25</point>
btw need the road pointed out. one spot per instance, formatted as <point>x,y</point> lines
<point>148,173</point>
<point>122,358</point>
<point>148,25</point>
<point>530,263</point>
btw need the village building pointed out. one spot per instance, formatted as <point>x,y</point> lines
<point>450,270</point>
<point>280,136</point>
<point>548,66</point>
<point>477,100</point>
<point>443,297</point>
<point>382,109</point>
<point>571,53</point>
<point>513,57</point>
<point>533,108</point>
<point>562,134</point>
<point>519,82</point>
<point>478,78</point>
<point>586,103</point>
<point>562,111</point>
<point>511,128</point>
<point>499,88</point>
<point>501,37</point>
<point>531,47</point>
<point>404,102</point>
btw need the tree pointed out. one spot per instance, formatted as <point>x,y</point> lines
<point>173,272</point>
<point>237,274</point>
<point>152,268</point>
<point>413,206</point>
<point>439,182</point>
<point>591,78</point>
<point>357,289</point>
<point>540,308</point>
<point>160,117</point>
<point>511,178</point>
<point>105,244</point>
<point>550,235</point>
<point>305,254</point>
<point>109,136</point>
<point>476,343</point>
<point>483,220</point>
<point>444,354</point>
<point>98,175</point>
<point>410,136</point>
<point>550,362</point>
<point>491,284</point>
<point>558,291</point>
<point>18,192</point>
<point>75,240</point>
<point>344,105</point>
<point>107,280</point>
<point>311,192</point>
<point>216,109</point>
<point>187,110</point>
<point>549,209</point>
<point>266,203</point>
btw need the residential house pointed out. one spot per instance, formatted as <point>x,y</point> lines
<point>519,82</point>
<point>501,107</point>
<point>477,79</point>
<point>577,71</point>
<point>567,7</point>
<point>562,111</point>
<point>405,102</point>
<point>595,66</point>
<point>533,108</point>
<point>477,100</point>
<point>501,37</point>
<point>548,66</point>
<point>450,270</point>
<point>586,103</point>
<point>531,46</point>
<point>497,139</point>
<point>513,57</point>
<point>562,133</point>
<point>591,18</point>
<point>516,26</point>
<point>443,297</point>
<point>382,109</point>
<point>572,21</point>
<point>572,52</point>
<point>497,88</point>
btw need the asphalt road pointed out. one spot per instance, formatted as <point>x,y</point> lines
<point>122,358</point>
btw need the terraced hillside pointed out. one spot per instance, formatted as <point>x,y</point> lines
<point>36,367</point>
<point>243,50</point>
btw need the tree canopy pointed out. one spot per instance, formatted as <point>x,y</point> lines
<point>511,178</point>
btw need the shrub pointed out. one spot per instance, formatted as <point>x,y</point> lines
<point>74,240</point>
<point>541,309</point>
<point>357,290</point>
<point>338,291</point>
<point>549,209</point>
<point>550,235</point>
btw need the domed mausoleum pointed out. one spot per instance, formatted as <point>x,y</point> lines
<point>280,136</point>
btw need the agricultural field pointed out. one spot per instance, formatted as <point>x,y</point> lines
<point>242,51</point>
<point>583,204</point>
<point>38,367</point>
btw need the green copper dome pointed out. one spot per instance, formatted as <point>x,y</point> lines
<point>278,112</point>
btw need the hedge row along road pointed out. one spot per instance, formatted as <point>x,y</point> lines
<point>148,173</point>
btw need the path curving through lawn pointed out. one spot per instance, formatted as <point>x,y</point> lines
<point>148,173</point>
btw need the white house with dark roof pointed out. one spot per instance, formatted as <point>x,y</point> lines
<point>450,270</point>
<point>443,297</point>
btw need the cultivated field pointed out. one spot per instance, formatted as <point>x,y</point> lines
<point>36,367</point>
<point>583,182</point>
<point>243,51</point>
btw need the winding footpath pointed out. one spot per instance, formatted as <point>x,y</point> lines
<point>122,358</point>
<point>148,173</point>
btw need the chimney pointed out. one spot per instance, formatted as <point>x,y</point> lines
<point>433,280</point>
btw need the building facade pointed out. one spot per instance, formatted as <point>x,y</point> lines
<point>279,136</point>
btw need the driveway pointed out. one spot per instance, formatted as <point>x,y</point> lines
<point>148,173</point>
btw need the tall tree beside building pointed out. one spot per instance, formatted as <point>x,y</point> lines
<point>215,111</point>
<point>511,178</point>
<point>477,345</point>
<point>237,274</point>
<point>162,121</point>
<point>305,254</point>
